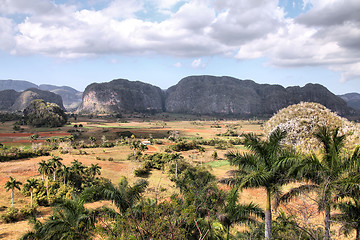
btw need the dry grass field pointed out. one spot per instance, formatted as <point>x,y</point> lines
<point>159,184</point>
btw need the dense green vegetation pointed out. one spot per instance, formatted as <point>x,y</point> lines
<point>199,207</point>
<point>40,113</point>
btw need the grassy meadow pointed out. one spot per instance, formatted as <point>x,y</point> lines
<point>114,161</point>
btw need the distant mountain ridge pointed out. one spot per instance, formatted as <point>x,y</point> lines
<point>352,100</point>
<point>231,96</point>
<point>71,98</point>
<point>207,95</point>
<point>201,95</point>
<point>11,100</point>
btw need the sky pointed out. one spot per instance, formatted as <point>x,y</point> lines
<point>76,42</point>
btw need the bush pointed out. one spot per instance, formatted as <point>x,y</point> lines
<point>14,215</point>
<point>43,114</point>
<point>184,146</point>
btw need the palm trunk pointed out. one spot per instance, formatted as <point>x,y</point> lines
<point>176,167</point>
<point>47,186</point>
<point>327,222</point>
<point>268,219</point>
<point>227,232</point>
<point>357,233</point>
<point>31,198</point>
<point>12,197</point>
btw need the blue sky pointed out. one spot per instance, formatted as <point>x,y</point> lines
<point>286,42</point>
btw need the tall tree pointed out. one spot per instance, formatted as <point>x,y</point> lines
<point>134,145</point>
<point>55,163</point>
<point>329,173</point>
<point>94,169</point>
<point>41,169</point>
<point>48,169</point>
<point>201,150</point>
<point>265,166</point>
<point>30,185</point>
<point>64,171</point>
<point>142,148</point>
<point>11,185</point>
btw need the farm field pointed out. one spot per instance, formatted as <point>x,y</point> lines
<point>114,161</point>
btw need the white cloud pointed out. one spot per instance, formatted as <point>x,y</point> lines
<point>178,65</point>
<point>7,31</point>
<point>122,9</point>
<point>197,63</point>
<point>328,34</point>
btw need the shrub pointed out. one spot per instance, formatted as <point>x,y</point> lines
<point>13,214</point>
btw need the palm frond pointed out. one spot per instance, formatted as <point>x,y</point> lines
<point>294,192</point>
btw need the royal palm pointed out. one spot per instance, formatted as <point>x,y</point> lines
<point>264,166</point>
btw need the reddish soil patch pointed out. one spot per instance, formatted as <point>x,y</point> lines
<point>151,149</point>
<point>41,134</point>
<point>25,141</point>
<point>168,143</point>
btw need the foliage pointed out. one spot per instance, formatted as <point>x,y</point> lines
<point>184,146</point>
<point>43,114</point>
<point>14,214</point>
<point>70,220</point>
<point>302,120</point>
<point>265,166</point>
<point>13,153</point>
<point>329,174</point>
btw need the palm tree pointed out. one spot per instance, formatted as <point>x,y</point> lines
<point>92,140</point>
<point>123,195</point>
<point>134,145</point>
<point>142,148</point>
<point>235,213</point>
<point>41,169</point>
<point>77,167</point>
<point>70,221</point>
<point>30,185</point>
<point>11,185</point>
<point>329,173</point>
<point>201,150</point>
<point>55,163</point>
<point>94,169</point>
<point>48,169</point>
<point>349,216</point>
<point>64,172</point>
<point>265,166</point>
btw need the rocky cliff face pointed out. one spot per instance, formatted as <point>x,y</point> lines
<point>121,96</point>
<point>227,95</point>
<point>10,100</point>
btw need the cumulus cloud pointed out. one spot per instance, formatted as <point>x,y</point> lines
<point>326,34</point>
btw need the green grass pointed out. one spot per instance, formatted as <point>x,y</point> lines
<point>220,163</point>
